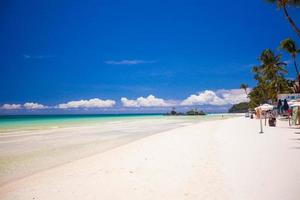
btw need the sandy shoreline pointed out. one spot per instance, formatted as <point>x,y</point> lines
<point>225,159</point>
<point>24,153</point>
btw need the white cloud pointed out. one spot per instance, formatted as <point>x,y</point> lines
<point>202,98</point>
<point>233,96</point>
<point>127,62</point>
<point>216,98</point>
<point>129,103</point>
<point>150,101</point>
<point>33,106</point>
<point>92,103</point>
<point>11,106</point>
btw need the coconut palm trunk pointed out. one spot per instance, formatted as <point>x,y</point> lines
<point>244,87</point>
<point>292,23</point>
<point>246,92</point>
<point>297,71</point>
<point>295,64</point>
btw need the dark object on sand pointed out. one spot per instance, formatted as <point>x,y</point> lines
<point>285,105</point>
<point>272,121</point>
<point>279,107</point>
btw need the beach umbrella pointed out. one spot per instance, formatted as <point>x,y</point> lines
<point>264,107</point>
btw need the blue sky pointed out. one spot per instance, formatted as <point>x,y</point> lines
<point>53,52</point>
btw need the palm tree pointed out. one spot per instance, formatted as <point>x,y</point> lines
<point>271,64</point>
<point>283,4</point>
<point>290,47</point>
<point>244,87</point>
<point>270,73</point>
<point>270,79</point>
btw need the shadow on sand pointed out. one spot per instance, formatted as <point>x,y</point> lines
<point>295,148</point>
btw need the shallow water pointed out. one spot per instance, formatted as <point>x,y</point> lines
<point>29,144</point>
<point>37,122</point>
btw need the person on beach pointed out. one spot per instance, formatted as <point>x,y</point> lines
<point>285,106</point>
<point>279,105</point>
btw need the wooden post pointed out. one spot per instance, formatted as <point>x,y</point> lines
<point>260,119</point>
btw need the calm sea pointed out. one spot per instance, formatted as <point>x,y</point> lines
<point>33,122</point>
<point>32,143</point>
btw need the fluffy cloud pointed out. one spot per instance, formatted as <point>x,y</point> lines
<point>29,106</point>
<point>202,98</point>
<point>127,62</point>
<point>216,98</point>
<point>150,101</point>
<point>33,106</point>
<point>92,103</point>
<point>11,106</point>
<point>129,103</point>
<point>233,96</point>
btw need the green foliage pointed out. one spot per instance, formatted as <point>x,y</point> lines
<point>239,108</point>
<point>244,87</point>
<point>290,47</point>
<point>270,79</point>
<point>281,3</point>
<point>270,74</point>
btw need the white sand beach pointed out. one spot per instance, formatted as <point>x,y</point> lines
<point>225,159</point>
<point>25,150</point>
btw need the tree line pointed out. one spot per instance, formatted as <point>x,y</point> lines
<point>270,73</point>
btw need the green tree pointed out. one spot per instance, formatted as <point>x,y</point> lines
<point>239,108</point>
<point>290,47</point>
<point>271,65</point>
<point>282,4</point>
<point>244,87</point>
<point>270,79</point>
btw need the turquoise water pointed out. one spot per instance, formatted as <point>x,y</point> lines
<point>33,122</point>
<point>32,143</point>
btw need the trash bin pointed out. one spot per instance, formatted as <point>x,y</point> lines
<point>272,121</point>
